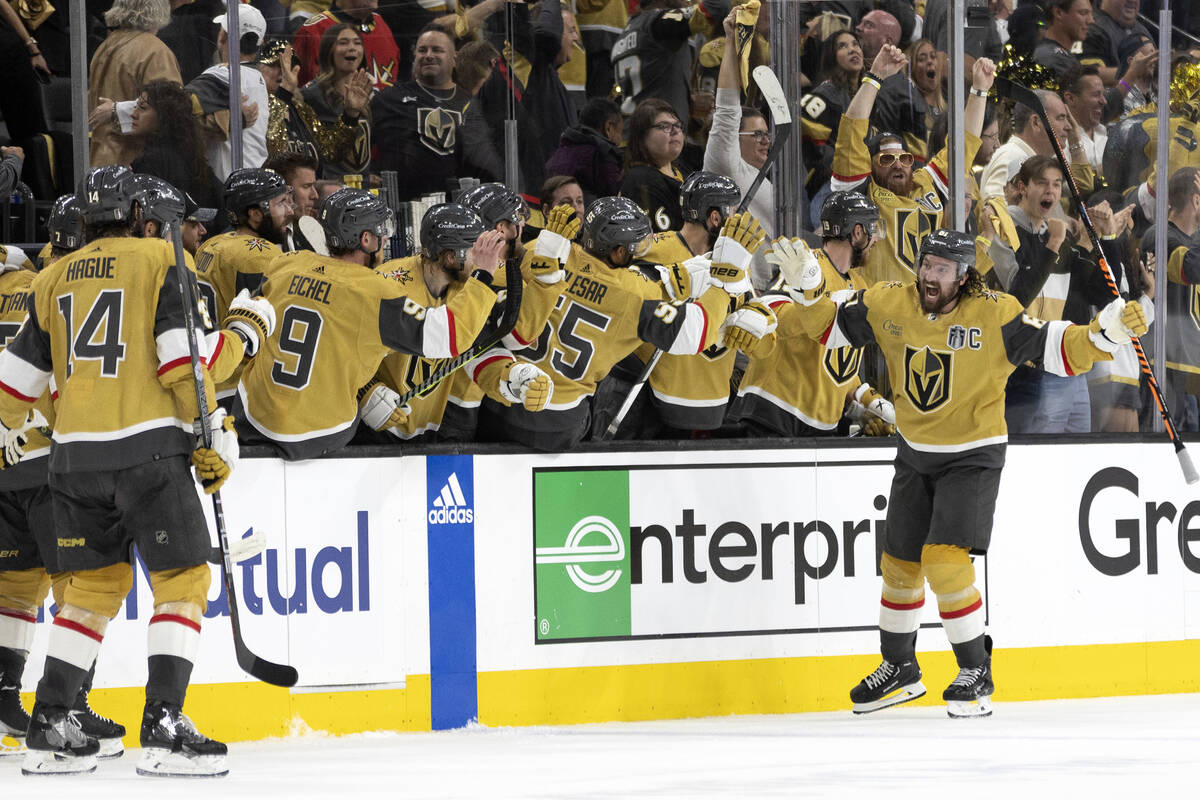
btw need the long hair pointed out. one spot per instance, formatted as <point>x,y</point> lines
<point>639,127</point>
<point>142,15</point>
<point>177,127</point>
<point>974,284</point>
<point>325,69</point>
<point>828,69</point>
<point>913,50</point>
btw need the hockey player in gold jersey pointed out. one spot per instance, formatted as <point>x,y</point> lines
<point>950,346</point>
<point>910,202</point>
<point>65,226</point>
<point>106,333</point>
<point>606,312</point>
<point>338,319</point>
<point>258,203</point>
<point>800,388</point>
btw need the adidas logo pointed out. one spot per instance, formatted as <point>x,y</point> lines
<point>450,506</point>
<point>319,269</point>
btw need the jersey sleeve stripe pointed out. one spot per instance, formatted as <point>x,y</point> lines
<point>1054,358</point>
<point>690,339</point>
<point>20,378</point>
<point>437,334</point>
<point>475,366</point>
<point>172,347</point>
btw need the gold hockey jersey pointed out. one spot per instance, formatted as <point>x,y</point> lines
<point>801,382</point>
<point>904,221</point>
<point>948,371</point>
<point>604,315</point>
<point>14,302</point>
<point>225,265</point>
<point>106,327</point>
<point>690,391</point>
<point>336,323</point>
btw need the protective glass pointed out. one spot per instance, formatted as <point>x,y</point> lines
<point>387,228</point>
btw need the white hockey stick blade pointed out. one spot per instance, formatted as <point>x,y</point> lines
<point>241,549</point>
<point>315,234</point>
<point>1185,463</point>
<point>772,92</point>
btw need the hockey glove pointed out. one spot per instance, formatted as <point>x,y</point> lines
<point>380,407</point>
<point>1116,324</point>
<point>526,385</point>
<point>741,237</point>
<point>213,464</point>
<point>799,268</point>
<point>751,329</point>
<point>16,438</point>
<point>554,241</point>
<point>686,280</point>
<point>253,318</point>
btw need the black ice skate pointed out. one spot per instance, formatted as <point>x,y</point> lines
<point>56,744</point>
<point>970,694</point>
<point>172,747</point>
<point>14,722</point>
<point>889,685</point>
<point>108,733</point>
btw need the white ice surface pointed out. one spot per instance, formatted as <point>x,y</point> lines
<point>1144,748</point>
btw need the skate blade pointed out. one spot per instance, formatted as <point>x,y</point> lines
<point>110,748</point>
<point>902,695</point>
<point>12,745</point>
<point>43,762</point>
<point>963,709</point>
<point>160,763</point>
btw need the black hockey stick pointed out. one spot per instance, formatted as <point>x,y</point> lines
<point>781,116</point>
<point>260,668</point>
<point>1027,97</point>
<point>772,92</point>
<point>486,340</point>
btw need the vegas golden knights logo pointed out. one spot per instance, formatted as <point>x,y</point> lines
<point>419,370</point>
<point>927,376</point>
<point>842,363</point>
<point>912,226</point>
<point>439,129</point>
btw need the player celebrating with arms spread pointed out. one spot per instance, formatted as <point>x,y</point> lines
<point>950,346</point>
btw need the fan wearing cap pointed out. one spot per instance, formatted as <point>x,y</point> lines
<point>950,346</point>
<point>607,312</point>
<point>211,89</point>
<point>316,380</point>
<point>911,202</point>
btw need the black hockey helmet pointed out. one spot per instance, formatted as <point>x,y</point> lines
<point>253,187</point>
<point>450,226</point>
<point>347,213</point>
<point>106,195</point>
<point>495,202</point>
<point>843,210</point>
<point>615,222</point>
<point>66,223</point>
<point>160,201</point>
<point>957,246</point>
<point>704,191</point>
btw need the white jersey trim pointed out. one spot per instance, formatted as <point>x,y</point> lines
<point>567,406</point>
<point>788,407</point>
<point>690,338</point>
<point>955,448</point>
<point>435,333</point>
<point>122,433</point>
<point>1052,357</point>
<point>690,402</point>
<point>22,376</point>
<point>288,437</point>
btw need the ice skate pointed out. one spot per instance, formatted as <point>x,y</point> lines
<point>970,694</point>
<point>108,733</point>
<point>889,685</point>
<point>14,722</point>
<point>56,744</point>
<point>172,747</point>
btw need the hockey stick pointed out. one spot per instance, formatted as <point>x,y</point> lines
<point>260,668</point>
<point>485,341</point>
<point>1027,97</point>
<point>772,92</point>
<point>781,116</point>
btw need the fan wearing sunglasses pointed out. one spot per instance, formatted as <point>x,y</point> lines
<point>910,201</point>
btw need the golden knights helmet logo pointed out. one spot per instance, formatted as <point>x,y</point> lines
<point>841,363</point>
<point>439,129</point>
<point>927,377</point>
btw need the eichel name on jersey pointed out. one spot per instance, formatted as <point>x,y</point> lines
<point>30,471</point>
<point>112,309</point>
<point>337,322</point>
<point>949,370</point>
<point>690,391</point>
<point>784,391</point>
<point>904,222</point>
<point>225,265</point>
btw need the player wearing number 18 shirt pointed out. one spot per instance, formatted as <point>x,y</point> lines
<point>950,346</point>
<point>338,319</point>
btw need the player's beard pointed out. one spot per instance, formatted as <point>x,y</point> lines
<point>268,230</point>
<point>713,233</point>
<point>936,305</point>
<point>858,256</point>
